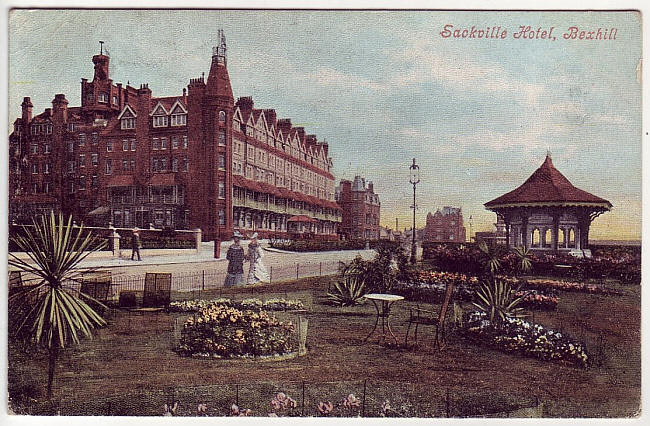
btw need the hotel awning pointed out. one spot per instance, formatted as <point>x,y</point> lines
<point>100,211</point>
<point>302,218</point>
<point>120,180</point>
<point>162,179</point>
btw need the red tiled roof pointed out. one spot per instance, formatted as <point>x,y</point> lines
<point>547,185</point>
<point>120,180</point>
<point>162,179</point>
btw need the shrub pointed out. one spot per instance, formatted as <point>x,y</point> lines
<point>381,273</point>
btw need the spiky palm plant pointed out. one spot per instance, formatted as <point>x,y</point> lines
<point>348,292</point>
<point>491,261</point>
<point>49,313</point>
<point>524,255</point>
<point>497,299</point>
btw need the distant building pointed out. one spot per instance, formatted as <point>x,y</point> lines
<point>389,234</point>
<point>445,226</point>
<point>498,236</point>
<point>360,205</point>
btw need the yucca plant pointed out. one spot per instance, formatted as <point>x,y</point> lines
<point>49,313</point>
<point>491,261</point>
<point>524,255</point>
<point>497,299</point>
<point>348,292</point>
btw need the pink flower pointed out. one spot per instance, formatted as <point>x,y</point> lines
<point>325,408</point>
<point>351,401</point>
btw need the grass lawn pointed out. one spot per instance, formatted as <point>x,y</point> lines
<point>134,355</point>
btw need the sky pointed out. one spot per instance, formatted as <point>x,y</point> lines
<point>382,88</point>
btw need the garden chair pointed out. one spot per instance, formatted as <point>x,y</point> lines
<point>419,316</point>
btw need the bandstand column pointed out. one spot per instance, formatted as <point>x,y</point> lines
<point>556,229</point>
<point>524,230</point>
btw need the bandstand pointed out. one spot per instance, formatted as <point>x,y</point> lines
<point>548,213</point>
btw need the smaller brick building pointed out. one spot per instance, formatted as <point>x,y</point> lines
<point>360,205</point>
<point>445,226</point>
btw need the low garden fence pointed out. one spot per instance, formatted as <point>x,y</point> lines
<point>362,398</point>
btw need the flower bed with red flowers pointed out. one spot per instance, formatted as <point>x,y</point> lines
<point>520,337</point>
<point>430,286</point>
<point>538,299</point>
<point>546,284</point>
<point>220,331</point>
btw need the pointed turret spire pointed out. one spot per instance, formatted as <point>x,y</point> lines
<point>219,52</point>
<point>218,83</point>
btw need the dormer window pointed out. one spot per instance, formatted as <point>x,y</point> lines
<point>127,118</point>
<point>160,121</point>
<point>128,123</point>
<point>179,119</point>
<point>178,114</point>
<point>103,97</point>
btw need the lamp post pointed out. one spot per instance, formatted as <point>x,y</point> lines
<point>414,178</point>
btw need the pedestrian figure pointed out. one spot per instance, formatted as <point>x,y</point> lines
<point>236,257</point>
<point>257,272</point>
<point>136,244</point>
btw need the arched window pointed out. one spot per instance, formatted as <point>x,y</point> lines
<point>560,237</point>
<point>548,237</point>
<point>572,238</point>
<point>536,237</point>
<point>222,116</point>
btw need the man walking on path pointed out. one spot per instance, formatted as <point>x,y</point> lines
<point>135,244</point>
<point>236,259</point>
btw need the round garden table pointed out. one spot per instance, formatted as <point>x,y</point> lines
<point>385,301</point>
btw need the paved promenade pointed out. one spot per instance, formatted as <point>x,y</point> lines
<point>183,261</point>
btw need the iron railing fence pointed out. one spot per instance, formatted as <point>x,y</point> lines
<point>191,284</point>
<point>365,398</point>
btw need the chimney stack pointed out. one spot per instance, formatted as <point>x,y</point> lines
<point>27,110</point>
<point>60,108</point>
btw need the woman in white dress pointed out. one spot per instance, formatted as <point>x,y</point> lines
<point>257,272</point>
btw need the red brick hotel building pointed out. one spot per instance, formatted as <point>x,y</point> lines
<point>197,160</point>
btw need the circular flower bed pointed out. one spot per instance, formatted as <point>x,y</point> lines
<point>221,331</point>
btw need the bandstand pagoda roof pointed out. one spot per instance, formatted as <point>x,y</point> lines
<point>547,187</point>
